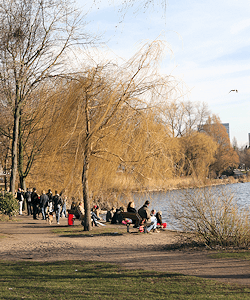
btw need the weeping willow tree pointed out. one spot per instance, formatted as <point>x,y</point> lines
<point>106,124</point>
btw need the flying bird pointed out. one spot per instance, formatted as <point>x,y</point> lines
<point>233,91</point>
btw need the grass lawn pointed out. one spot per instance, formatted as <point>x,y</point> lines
<point>78,230</point>
<point>95,280</point>
<point>240,255</point>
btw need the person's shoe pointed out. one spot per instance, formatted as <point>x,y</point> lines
<point>156,231</point>
<point>58,223</point>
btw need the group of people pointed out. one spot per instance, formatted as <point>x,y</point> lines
<point>46,203</point>
<point>79,213</point>
<point>149,217</point>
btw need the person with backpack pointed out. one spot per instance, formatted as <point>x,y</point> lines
<point>57,202</point>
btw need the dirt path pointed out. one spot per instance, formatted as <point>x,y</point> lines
<point>33,239</point>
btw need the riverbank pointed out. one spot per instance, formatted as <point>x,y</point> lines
<point>26,239</point>
<point>121,196</point>
<point>190,182</point>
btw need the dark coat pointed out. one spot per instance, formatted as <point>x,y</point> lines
<point>34,198</point>
<point>19,196</point>
<point>57,201</point>
<point>50,196</point>
<point>144,212</point>
<point>131,209</point>
<point>44,200</point>
<point>27,196</point>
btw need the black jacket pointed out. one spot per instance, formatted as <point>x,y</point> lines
<point>57,201</point>
<point>44,200</point>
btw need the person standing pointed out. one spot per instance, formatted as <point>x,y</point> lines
<point>64,205</point>
<point>27,197</point>
<point>19,196</point>
<point>35,202</point>
<point>57,201</point>
<point>50,201</point>
<point>44,199</point>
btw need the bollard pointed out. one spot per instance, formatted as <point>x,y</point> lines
<point>127,227</point>
<point>70,219</point>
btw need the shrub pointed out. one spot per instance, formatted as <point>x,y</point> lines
<point>8,204</point>
<point>214,215</point>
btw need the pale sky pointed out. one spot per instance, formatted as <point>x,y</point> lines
<point>210,41</point>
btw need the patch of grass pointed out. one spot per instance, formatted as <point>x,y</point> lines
<point>227,255</point>
<point>6,218</point>
<point>95,280</point>
<point>96,231</point>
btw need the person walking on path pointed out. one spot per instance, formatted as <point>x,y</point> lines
<point>44,199</point>
<point>57,201</point>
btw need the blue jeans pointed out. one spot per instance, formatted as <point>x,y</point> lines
<point>153,223</point>
<point>63,211</point>
<point>58,213</point>
<point>44,212</point>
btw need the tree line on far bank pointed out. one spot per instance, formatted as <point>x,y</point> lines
<point>104,127</point>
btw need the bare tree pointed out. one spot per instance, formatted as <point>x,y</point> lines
<point>184,117</point>
<point>34,35</point>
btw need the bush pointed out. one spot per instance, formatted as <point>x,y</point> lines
<point>213,214</point>
<point>8,204</point>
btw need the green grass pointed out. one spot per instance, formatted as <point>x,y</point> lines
<point>96,231</point>
<point>239,255</point>
<point>95,280</point>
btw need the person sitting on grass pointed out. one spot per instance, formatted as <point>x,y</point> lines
<point>159,220</point>
<point>145,214</point>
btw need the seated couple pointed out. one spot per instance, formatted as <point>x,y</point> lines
<point>146,215</point>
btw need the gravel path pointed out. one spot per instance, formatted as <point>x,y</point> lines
<point>33,239</point>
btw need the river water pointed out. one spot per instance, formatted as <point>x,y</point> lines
<point>161,200</point>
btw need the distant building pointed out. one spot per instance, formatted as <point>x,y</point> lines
<point>226,125</point>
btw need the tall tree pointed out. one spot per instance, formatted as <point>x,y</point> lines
<point>102,103</point>
<point>184,117</point>
<point>34,36</point>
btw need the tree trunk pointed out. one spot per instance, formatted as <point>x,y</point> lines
<point>85,185</point>
<point>20,155</point>
<point>14,151</point>
<point>85,173</point>
<point>6,170</point>
<point>22,182</point>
